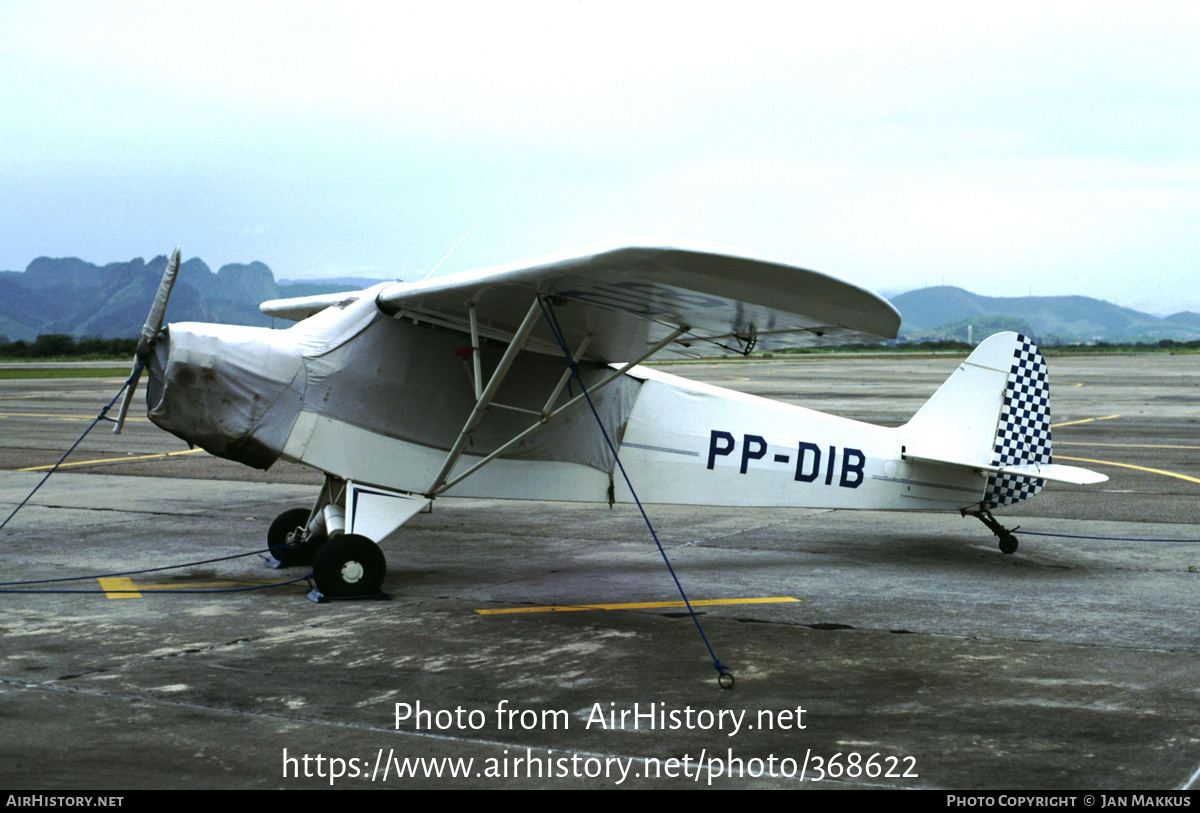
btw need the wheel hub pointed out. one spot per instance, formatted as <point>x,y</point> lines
<point>352,572</point>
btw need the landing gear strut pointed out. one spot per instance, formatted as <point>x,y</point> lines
<point>1008,542</point>
<point>336,537</point>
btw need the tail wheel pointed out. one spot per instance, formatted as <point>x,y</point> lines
<point>285,539</point>
<point>1008,542</point>
<point>349,565</point>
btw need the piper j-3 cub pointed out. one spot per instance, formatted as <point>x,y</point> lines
<point>477,384</point>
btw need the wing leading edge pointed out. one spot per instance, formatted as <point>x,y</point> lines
<point>624,299</point>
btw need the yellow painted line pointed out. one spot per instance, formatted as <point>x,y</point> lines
<point>1084,420</point>
<point>122,586</point>
<point>1058,443</point>
<point>638,605</point>
<point>52,416</point>
<point>113,460</point>
<point>1130,466</point>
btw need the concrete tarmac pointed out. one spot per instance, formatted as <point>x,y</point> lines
<point>920,656</point>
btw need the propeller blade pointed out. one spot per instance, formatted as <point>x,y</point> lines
<point>129,391</point>
<point>159,309</point>
<point>149,334</point>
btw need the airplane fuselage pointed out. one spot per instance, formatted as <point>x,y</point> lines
<point>367,398</point>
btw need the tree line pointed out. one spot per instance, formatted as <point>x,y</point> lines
<point>62,346</point>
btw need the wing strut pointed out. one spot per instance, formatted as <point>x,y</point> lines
<point>476,363</point>
<point>485,399</point>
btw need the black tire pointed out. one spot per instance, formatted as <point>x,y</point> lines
<point>349,565</point>
<point>1008,544</point>
<point>291,554</point>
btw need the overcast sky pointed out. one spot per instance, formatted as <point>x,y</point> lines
<point>1048,148</point>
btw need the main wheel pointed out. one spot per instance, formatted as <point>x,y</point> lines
<point>285,539</point>
<point>349,565</point>
<point>1008,543</point>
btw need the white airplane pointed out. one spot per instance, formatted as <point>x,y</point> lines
<point>478,384</point>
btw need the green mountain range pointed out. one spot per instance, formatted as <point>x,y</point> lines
<point>945,312</point>
<point>80,299</point>
<point>77,298</point>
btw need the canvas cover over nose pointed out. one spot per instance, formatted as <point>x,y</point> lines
<point>213,386</point>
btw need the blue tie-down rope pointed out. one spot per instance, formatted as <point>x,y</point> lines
<point>724,675</point>
<point>103,416</point>
<point>25,586</point>
<point>1105,538</point>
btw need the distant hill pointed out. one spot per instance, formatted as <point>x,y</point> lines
<point>77,298</point>
<point>944,312</point>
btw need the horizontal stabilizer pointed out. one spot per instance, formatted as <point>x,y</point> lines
<point>1034,471</point>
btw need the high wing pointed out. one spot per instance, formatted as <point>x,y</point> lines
<point>615,302</point>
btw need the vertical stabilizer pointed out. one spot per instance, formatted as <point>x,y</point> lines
<point>993,412</point>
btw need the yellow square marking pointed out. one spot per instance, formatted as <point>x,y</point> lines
<point>121,587</point>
